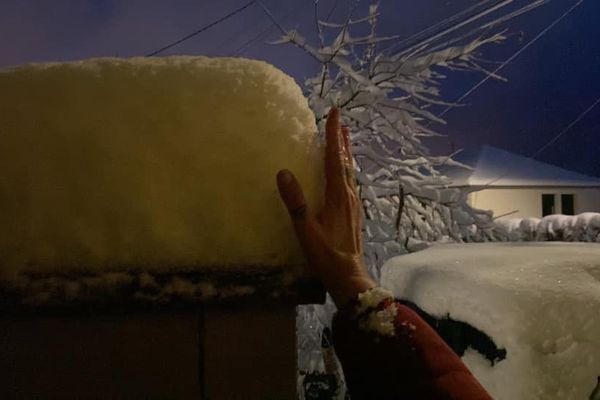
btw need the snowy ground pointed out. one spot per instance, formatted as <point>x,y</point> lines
<point>539,301</point>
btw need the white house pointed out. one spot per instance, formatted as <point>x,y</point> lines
<point>516,186</point>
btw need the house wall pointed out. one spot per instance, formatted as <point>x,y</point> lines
<point>528,201</point>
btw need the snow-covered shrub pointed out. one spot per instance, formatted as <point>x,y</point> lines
<point>554,227</point>
<point>584,227</point>
<point>511,228</point>
<point>587,227</point>
<point>528,227</point>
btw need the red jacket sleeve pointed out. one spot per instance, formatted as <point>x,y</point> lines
<point>412,362</point>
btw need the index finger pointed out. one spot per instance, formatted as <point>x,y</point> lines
<point>335,158</point>
<point>349,161</point>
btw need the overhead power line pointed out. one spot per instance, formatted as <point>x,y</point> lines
<point>259,36</point>
<point>511,58</point>
<point>436,28</point>
<point>567,128</point>
<point>553,140</point>
<point>269,14</point>
<point>202,29</point>
<point>456,26</point>
<point>262,34</point>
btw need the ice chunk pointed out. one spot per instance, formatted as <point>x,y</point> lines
<point>151,162</point>
<point>539,301</point>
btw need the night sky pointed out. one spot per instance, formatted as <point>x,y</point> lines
<point>548,86</point>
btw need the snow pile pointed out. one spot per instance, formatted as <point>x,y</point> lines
<point>578,228</point>
<point>539,301</point>
<point>153,163</point>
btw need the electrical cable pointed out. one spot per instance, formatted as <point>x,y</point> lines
<point>439,25</point>
<point>455,27</point>
<point>511,58</point>
<point>263,33</point>
<point>202,29</point>
<point>568,128</point>
<point>553,140</point>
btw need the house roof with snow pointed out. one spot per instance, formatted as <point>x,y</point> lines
<point>494,167</point>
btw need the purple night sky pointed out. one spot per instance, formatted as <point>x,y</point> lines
<point>548,86</point>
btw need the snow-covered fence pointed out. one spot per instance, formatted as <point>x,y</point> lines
<point>577,228</point>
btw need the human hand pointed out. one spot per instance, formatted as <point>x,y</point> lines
<point>331,239</point>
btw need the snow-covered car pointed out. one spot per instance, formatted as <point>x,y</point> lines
<point>524,316</point>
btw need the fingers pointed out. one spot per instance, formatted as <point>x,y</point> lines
<point>346,137</point>
<point>335,158</point>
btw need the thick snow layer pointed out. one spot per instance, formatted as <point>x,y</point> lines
<point>539,301</point>
<point>494,167</point>
<point>150,163</point>
<point>570,228</point>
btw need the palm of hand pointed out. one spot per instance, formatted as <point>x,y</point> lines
<point>331,238</point>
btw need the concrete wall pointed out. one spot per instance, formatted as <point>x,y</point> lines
<point>528,201</point>
<point>234,353</point>
<point>249,354</point>
<point>148,356</point>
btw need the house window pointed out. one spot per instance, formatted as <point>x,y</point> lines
<point>547,204</point>
<point>568,204</point>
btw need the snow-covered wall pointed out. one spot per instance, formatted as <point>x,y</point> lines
<point>150,162</point>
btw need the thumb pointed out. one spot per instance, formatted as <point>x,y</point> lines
<point>292,196</point>
<point>307,231</point>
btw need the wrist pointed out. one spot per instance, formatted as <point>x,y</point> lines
<point>347,291</point>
